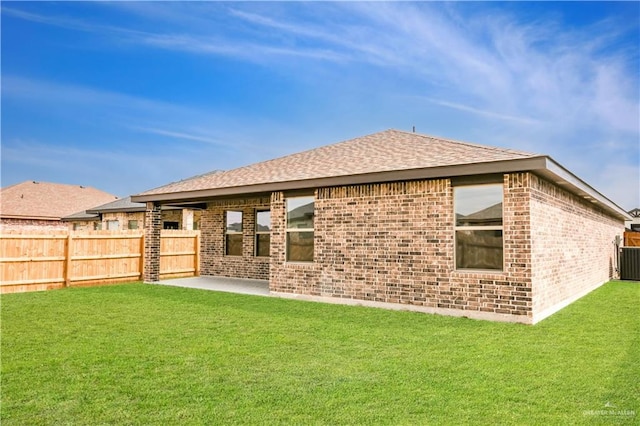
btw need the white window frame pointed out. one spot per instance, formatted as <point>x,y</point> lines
<point>298,230</point>
<point>457,228</point>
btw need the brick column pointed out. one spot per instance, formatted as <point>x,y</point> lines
<point>152,228</point>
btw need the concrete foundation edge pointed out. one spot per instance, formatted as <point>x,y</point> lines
<point>478,315</point>
<point>537,317</point>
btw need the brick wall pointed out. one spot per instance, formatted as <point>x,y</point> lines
<point>152,233</point>
<point>123,219</point>
<point>172,216</point>
<point>32,225</point>
<point>83,225</point>
<point>572,246</point>
<point>212,250</point>
<point>394,242</point>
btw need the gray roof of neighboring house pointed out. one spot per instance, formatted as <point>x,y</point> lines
<point>386,156</point>
<point>122,205</point>
<point>485,216</point>
<point>82,216</point>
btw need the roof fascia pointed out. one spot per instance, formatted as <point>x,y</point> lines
<point>122,210</point>
<point>81,219</point>
<point>565,179</point>
<point>542,165</point>
<point>504,166</point>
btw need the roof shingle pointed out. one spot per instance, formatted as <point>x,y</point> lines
<point>48,201</point>
<point>390,150</point>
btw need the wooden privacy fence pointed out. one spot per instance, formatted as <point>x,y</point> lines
<point>631,239</point>
<point>31,262</point>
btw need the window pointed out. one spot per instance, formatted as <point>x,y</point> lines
<point>170,225</point>
<point>300,212</point>
<point>113,225</point>
<point>263,232</point>
<point>478,228</point>
<point>132,224</point>
<point>233,234</point>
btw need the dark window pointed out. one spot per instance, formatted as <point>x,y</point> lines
<point>263,232</point>
<point>233,234</point>
<point>300,214</point>
<point>171,225</point>
<point>479,240</point>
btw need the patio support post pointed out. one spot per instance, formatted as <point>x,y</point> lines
<point>152,229</point>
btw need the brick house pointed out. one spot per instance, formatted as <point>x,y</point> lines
<point>32,205</point>
<point>124,214</point>
<point>634,223</point>
<point>403,220</point>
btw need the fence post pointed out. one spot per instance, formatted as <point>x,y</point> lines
<point>67,259</point>
<point>141,263</point>
<point>196,257</point>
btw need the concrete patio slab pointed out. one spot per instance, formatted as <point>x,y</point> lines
<point>229,285</point>
<point>261,288</point>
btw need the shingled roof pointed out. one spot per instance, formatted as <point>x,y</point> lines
<point>48,201</point>
<point>390,155</point>
<point>122,205</point>
<point>386,151</point>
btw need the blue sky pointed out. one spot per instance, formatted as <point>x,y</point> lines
<point>127,96</point>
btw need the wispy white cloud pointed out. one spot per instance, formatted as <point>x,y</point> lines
<point>178,135</point>
<point>533,83</point>
<point>24,88</point>
<point>254,52</point>
<point>179,40</point>
<point>483,112</point>
<point>69,23</point>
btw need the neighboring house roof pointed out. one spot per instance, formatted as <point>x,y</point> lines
<point>48,201</point>
<point>304,212</point>
<point>491,215</point>
<point>634,213</point>
<point>391,155</point>
<point>81,216</point>
<point>121,205</point>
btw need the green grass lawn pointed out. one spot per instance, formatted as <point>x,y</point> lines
<point>141,354</point>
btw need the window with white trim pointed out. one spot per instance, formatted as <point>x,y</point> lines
<point>478,227</point>
<point>263,233</point>
<point>233,233</point>
<point>300,212</point>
